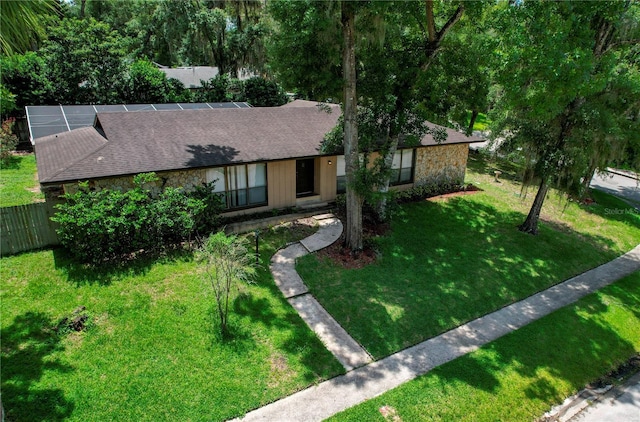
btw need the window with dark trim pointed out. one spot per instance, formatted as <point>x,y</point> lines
<point>241,186</point>
<point>402,167</point>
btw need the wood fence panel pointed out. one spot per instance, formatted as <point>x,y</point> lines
<point>26,227</point>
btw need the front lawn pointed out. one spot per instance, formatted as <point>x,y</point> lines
<point>18,182</point>
<point>445,263</point>
<point>151,352</point>
<point>523,374</point>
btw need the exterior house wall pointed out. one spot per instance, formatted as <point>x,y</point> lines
<point>281,183</point>
<point>441,164</point>
<point>433,165</point>
<point>327,178</point>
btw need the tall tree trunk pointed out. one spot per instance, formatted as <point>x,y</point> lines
<point>354,200</point>
<point>474,116</point>
<point>530,225</point>
<point>384,187</point>
<point>83,4</point>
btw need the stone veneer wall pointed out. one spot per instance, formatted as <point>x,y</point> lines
<point>441,164</point>
<point>188,179</point>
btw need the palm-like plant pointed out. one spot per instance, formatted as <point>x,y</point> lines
<point>21,23</point>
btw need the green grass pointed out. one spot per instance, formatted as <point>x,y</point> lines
<point>481,123</point>
<point>521,375</point>
<point>446,263</point>
<point>152,352</point>
<point>19,183</point>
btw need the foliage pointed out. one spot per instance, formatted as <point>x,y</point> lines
<point>226,261</point>
<point>261,92</point>
<point>145,83</point>
<point>214,90</point>
<point>25,76</point>
<point>23,24</point>
<point>8,141</point>
<point>106,224</point>
<point>574,108</point>
<point>84,61</point>
<point>7,100</point>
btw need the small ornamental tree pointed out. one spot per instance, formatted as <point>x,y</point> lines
<point>226,262</point>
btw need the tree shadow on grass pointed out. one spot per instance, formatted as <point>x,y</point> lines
<point>27,346</point>
<point>612,208</point>
<point>444,265</point>
<point>84,274</point>
<point>565,344</point>
<point>300,341</point>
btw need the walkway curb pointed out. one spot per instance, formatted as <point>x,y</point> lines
<point>323,400</point>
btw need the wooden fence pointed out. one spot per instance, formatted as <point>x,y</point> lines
<point>26,227</point>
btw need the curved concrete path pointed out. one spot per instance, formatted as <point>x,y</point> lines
<point>283,267</point>
<point>323,400</point>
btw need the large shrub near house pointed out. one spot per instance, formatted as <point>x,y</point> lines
<point>101,225</point>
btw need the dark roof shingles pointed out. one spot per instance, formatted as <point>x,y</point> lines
<point>171,140</point>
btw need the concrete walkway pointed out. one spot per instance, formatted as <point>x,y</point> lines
<point>337,394</point>
<point>283,267</point>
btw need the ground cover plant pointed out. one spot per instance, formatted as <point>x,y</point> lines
<point>522,375</point>
<point>150,350</point>
<point>444,263</point>
<point>19,182</point>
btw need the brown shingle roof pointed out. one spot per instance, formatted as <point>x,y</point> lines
<point>172,140</point>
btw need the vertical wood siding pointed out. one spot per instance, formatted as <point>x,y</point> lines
<point>26,227</point>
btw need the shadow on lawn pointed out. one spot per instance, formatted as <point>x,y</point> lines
<point>450,263</point>
<point>565,344</point>
<point>300,340</point>
<point>26,348</point>
<point>81,274</point>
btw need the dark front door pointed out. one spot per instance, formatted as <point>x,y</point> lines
<point>304,177</point>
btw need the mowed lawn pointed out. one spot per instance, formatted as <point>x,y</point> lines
<point>19,182</point>
<point>151,352</point>
<point>447,262</point>
<point>522,375</point>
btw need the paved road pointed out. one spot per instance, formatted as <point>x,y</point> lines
<point>623,407</point>
<point>618,185</point>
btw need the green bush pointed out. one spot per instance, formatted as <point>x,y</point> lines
<point>101,225</point>
<point>261,92</point>
<point>8,142</point>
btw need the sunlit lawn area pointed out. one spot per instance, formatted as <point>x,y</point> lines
<point>152,352</point>
<point>18,182</point>
<point>521,375</point>
<point>445,263</point>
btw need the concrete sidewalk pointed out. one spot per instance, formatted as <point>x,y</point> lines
<point>330,397</point>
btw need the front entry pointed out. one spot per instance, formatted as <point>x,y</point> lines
<point>305,173</point>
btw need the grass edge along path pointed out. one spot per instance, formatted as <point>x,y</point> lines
<point>524,373</point>
<point>444,263</point>
<point>340,393</point>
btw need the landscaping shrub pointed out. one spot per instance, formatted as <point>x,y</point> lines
<point>261,92</point>
<point>101,225</point>
<point>8,141</point>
